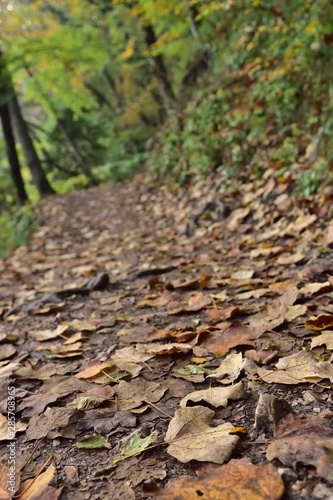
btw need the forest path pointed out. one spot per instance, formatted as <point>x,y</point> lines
<point>173,292</point>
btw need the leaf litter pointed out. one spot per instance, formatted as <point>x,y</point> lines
<point>187,364</point>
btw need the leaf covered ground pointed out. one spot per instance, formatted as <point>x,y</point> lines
<point>173,343</point>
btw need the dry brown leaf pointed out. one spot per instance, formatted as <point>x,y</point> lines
<point>131,394</point>
<point>133,354</point>
<point>198,302</point>
<point>324,338</point>
<point>296,311</point>
<point>156,300</point>
<point>42,373</point>
<point>48,334</point>
<point>192,284</point>
<point>216,315</point>
<point>265,252</point>
<point>7,350</point>
<point>4,434</point>
<point>77,324</point>
<point>243,274</point>
<point>234,335</point>
<point>95,368</point>
<point>191,438</point>
<point>172,348</point>
<point>292,258</point>
<point>308,441</point>
<point>296,369</point>
<point>38,488</point>
<point>236,480</point>
<point>312,288</point>
<point>261,292</point>
<point>216,396</point>
<point>229,369</point>
<point>9,478</point>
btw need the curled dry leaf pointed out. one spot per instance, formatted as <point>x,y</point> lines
<point>216,396</point>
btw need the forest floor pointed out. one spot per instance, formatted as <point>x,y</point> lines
<point>166,342</point>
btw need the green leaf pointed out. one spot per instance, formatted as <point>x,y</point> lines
<point>91,443</point>
<point>194,370</point>
<point>136,445</point>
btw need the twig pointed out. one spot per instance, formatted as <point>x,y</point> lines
<point>37,475</point>
<point>156,408</point>
<point>32,453</point>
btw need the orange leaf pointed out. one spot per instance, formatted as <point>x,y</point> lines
<point>320,322</point>
<point>237,479</point>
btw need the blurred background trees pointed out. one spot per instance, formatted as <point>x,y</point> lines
<point>92,89</point>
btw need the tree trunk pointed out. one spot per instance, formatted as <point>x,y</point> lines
<point>71,145</point>
<point>21,131</point>
<point>159,69</point>
<point>12,154</point>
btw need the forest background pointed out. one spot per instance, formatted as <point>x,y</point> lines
<point>92,90</point>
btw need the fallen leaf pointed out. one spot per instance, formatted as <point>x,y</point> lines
<point>4,432</point>
<point>77,324</point>
<point>324,338</point>
<point>136,445</point>
<point>42,335</point>
<point>216,396</point>
<point>234,335</point>
<point>307,441</point>
<point>191,438</point>
<point>320,322</point>
<point>198,302</point>
<point>37,488</point>
<point>9,369</point>
<point>229,369</point>
<point>131,394</point>
<point>91,443</point>
<point>96,367</point>
<point>312,288</point>
<point>236,480</point>
<point>9,478</point>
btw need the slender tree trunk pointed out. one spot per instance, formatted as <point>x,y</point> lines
<point>21,131</point>
<point>14,163</point>
<point>71,145</point>
<point>159,69</point>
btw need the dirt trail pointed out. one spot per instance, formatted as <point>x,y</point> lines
<point>129,300</point>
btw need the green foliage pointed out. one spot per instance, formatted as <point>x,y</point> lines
<point>269,97</point>
<point>16,228</point>
<point>249,86</point>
